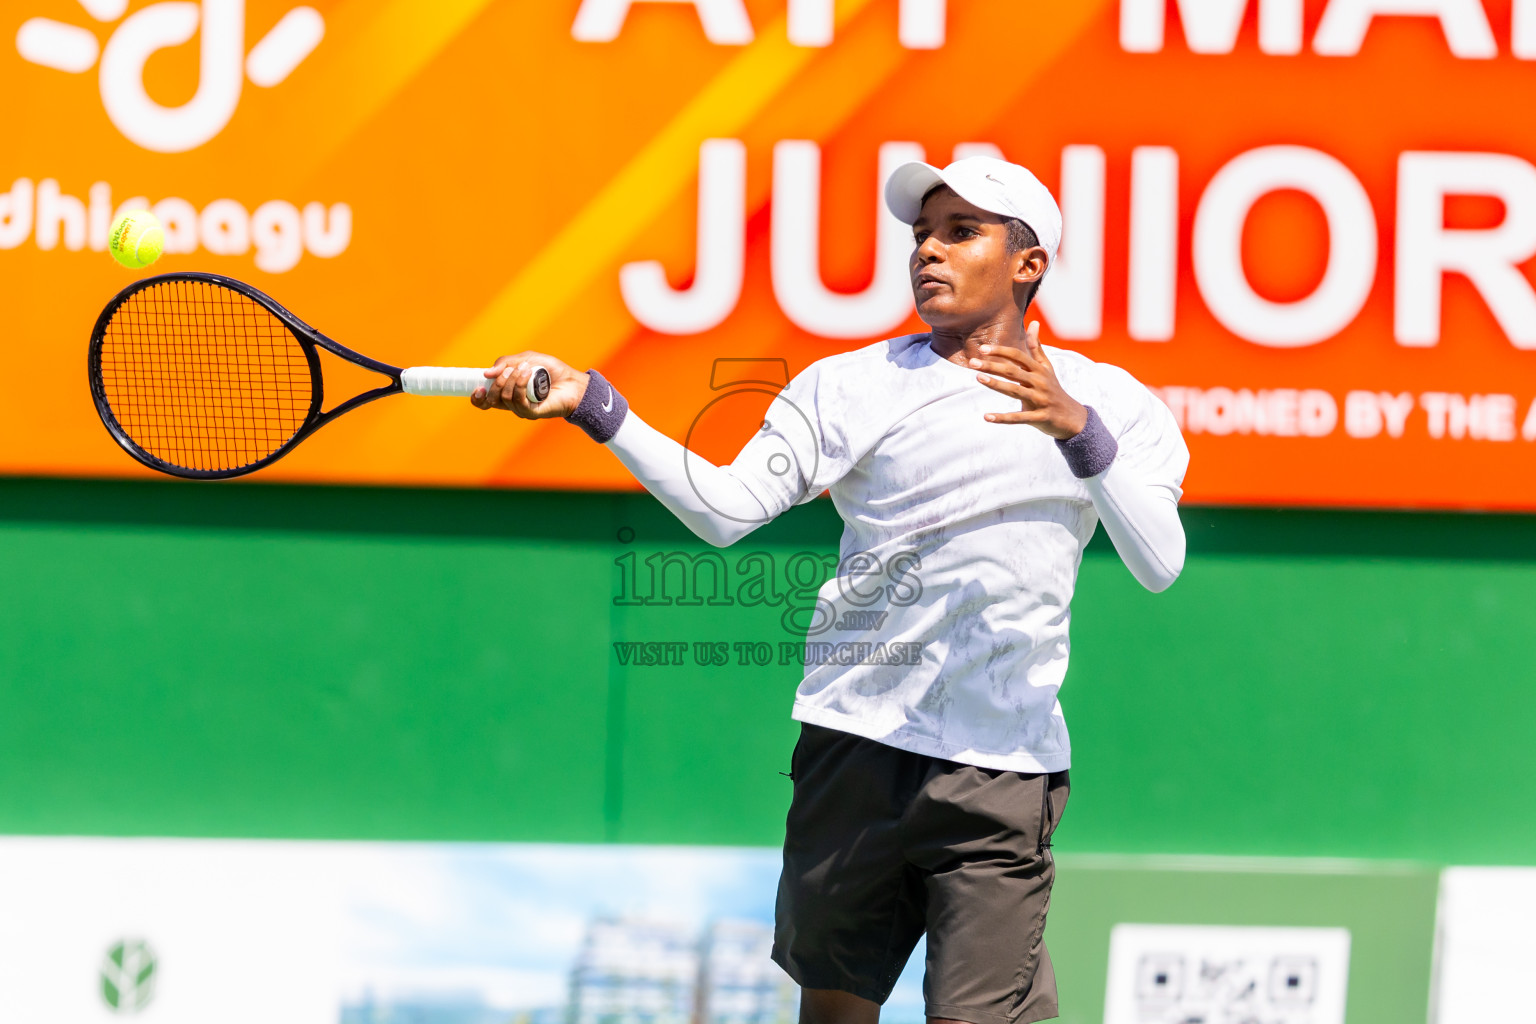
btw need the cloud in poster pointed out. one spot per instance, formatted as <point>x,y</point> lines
<point>531,903</point>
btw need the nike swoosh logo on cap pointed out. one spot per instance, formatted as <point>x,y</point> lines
<point>609,406</point>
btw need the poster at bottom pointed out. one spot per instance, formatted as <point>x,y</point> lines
<point>241,932</point>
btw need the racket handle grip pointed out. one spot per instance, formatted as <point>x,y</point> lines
<point>443,381</point>
<point>463,381</point>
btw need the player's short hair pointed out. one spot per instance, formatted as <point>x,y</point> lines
<point>1020,236</point>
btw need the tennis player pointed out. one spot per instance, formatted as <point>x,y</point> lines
<point>932,763</point>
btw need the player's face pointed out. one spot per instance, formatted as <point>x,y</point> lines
<point>963,275</point>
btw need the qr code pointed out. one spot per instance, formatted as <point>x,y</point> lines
<point>1197,974</point>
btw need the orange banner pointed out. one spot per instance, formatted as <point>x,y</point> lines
<point>1310,225</point>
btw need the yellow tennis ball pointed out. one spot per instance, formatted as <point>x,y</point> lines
<point>137,239</point>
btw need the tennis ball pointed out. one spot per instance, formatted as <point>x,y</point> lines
<point>137,239</point>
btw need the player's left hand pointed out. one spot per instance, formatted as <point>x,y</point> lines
<point>1026,374</point>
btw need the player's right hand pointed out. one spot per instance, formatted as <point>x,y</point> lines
<point>507,380</point>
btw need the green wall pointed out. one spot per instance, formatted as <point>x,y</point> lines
<point>255,660</point>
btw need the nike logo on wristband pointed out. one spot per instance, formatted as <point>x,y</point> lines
<point>608,407</point>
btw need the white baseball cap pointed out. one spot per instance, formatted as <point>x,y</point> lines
<point>994,185</point>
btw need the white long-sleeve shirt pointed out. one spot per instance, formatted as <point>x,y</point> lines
<point>966,534</point>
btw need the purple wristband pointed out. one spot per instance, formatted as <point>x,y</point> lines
<point>601,410</point>
<point>1090,452</point>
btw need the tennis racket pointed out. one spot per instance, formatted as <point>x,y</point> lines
<point>203,376</point>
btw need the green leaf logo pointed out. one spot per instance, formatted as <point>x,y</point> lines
<point>128,976</point>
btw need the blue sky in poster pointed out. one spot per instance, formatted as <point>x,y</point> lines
<point>501,925</point>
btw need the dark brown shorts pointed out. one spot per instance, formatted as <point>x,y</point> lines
<point>883,845</point>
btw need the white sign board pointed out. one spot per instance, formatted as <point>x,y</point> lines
<point>1205,974</point>
<point>167,932</point>
<point>1485,945</point>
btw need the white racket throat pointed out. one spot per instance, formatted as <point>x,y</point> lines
<point>463,381</point>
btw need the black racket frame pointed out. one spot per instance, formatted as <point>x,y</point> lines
<point>309,339</point>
